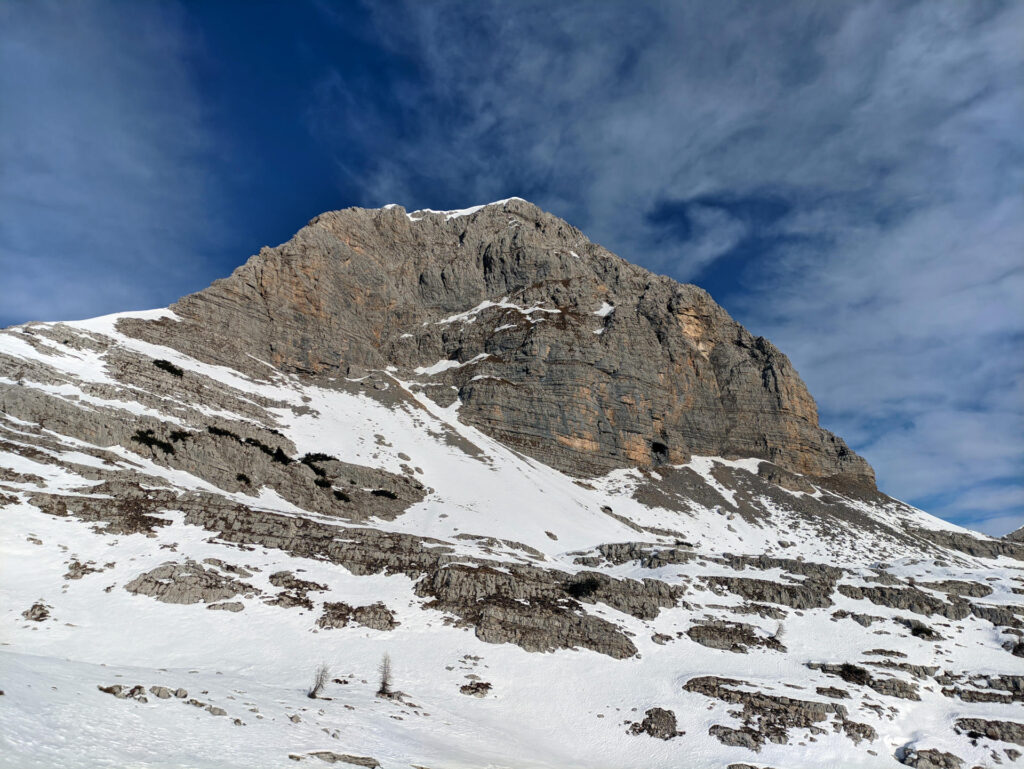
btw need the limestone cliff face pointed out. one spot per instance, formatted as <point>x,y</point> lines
<point>552,344</point>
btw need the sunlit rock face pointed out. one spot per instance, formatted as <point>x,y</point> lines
<point>552,344</point>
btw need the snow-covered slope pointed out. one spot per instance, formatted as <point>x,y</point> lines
<point>170,522</point>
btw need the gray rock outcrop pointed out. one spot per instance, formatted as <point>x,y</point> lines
<point>37,612</point>
<point>929,759</point>
<point>186,583</point>
<point>1003,731</point>
<point>770,717</point>
<point>376,616</point>
<point>659,723</point>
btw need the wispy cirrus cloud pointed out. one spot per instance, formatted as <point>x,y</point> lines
<point>103,158</point>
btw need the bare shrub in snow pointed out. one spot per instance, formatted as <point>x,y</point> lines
<point>320,679</point>
<point>384,690</point>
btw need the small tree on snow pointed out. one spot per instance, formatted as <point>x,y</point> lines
<point>320,679</point>
<point>385,676</point>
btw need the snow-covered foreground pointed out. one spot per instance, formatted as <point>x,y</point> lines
<point>246,672</point>
<point>563,709</point>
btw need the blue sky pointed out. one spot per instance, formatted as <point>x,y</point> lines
<point>845,178</point>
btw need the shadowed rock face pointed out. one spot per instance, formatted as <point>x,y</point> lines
<point>665,374</point>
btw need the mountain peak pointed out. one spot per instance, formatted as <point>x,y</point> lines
<point>457,212</point>
<point>550,342</point>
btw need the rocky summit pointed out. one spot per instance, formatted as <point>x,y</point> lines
<point>465,489</point>
<point>550,343</point>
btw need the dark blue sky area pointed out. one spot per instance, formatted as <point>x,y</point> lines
<point>280,161</point>
<point>844,177</point>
